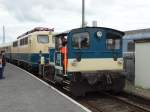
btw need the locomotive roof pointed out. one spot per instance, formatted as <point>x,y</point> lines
<point>62,33</point>
<point>66,32</point>
<point>102,28</point>
<point>36,29</point>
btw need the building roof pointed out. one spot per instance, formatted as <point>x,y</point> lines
<point>137,34</point>
<point>137,31</point>
<point>142,40</point>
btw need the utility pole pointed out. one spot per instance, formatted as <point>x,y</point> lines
<point>3,34</point>
<point>83,13</point>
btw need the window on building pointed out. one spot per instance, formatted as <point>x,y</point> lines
<point>81,40</point>
<point>43,39</point>
<point>131,46</point>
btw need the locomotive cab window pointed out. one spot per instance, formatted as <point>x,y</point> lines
<point>43,39</point>
<point>113,42</point>
<point>60,41</point>
<point>80,40</point>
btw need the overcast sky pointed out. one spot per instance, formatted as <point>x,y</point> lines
<point>19,16</point>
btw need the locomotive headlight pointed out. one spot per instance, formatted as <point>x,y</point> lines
<point>120,61</point>
<point>74,63</point>
<point>99,34</point>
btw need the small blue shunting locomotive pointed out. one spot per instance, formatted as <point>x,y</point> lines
<point>87,59</point>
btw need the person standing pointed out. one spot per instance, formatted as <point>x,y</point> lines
<point>1,67</point>
<point>41,64</point>
<point>3,61</point>
<point>64,52</point>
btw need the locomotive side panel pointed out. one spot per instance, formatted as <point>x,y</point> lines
<point>26,49</point>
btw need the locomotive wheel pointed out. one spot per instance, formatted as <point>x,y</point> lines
<point>77,85</point>
<point>118,85</point>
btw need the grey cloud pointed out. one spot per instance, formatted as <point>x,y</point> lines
<point>22,10</point>
<point>103,2</point>
<point>34,10</point>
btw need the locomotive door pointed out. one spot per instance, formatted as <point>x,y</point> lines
<point>29,48</point>
<point>114,45</point>
<point>60,54</point>
<point>58,59</point>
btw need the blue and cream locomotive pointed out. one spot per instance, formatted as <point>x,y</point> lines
<point>28,47</point>
<point>87,59</point>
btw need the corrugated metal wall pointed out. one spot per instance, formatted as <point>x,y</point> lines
<point>129,66</point>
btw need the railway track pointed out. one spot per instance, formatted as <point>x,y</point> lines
<point>139,102</point>
<point>105,102</point>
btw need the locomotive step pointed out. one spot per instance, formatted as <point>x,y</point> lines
<point>53,82</point>
<point>66,88</point>
<point>66,82</point>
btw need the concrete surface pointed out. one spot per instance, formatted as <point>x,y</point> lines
<point>20,92</point>
<point>132,89</point>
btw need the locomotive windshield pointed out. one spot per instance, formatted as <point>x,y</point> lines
<point>60,41</point>
<point>113,42</point>
<point>43,39</point>
<point>80,40</point>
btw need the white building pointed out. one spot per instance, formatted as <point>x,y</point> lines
<point>142,63</point>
